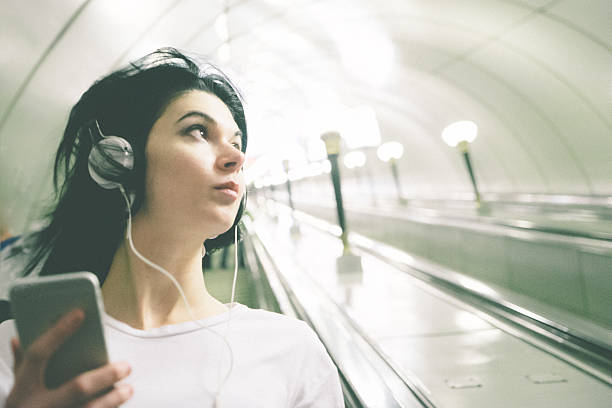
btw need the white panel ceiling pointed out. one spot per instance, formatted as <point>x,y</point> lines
<point>534,75</point>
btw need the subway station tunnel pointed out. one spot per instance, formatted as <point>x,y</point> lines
<point>429,182</point>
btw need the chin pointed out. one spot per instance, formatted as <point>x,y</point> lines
<point>223,228</point>
<point>223,220</point>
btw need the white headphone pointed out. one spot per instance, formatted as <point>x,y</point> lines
<point>110,161</point>
<point>111,155</point>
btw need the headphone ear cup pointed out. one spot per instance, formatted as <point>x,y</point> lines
<point>109,161</point>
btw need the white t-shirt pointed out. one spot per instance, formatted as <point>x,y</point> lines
<point>278,362</point>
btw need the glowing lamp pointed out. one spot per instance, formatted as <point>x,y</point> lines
<point>354,159</point>
<point>390,150</point>
<point>332,142</point>
<point>458,132</point>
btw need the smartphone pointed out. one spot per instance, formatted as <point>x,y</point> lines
<point>37,303</point>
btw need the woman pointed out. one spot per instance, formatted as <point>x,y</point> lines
<point>188,134</point>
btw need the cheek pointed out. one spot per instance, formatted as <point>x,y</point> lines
<point>178,175</point>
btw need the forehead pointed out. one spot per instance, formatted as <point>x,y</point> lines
<point>200,101</point>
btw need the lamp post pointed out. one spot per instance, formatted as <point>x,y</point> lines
<point>391,152</point>
<point>332,145</point>
<point>348,265</point>
<point>288,183</point>
<point>294,228</point>
<point>461,134</point>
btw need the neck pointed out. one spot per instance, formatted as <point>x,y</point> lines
<point>145,298</point>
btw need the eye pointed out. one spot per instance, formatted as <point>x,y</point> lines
<point>197,131</point>
<point>237,146</point>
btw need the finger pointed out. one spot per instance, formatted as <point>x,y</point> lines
<point>91,383</point>
<point>114,398</point>
<point>17,353</point>
<point>44,347</point>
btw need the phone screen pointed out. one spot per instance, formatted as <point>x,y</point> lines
<point>38,303</point>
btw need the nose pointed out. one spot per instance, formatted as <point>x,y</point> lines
<point>230,158</point>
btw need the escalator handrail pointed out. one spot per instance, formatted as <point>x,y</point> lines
<point>590,348</point>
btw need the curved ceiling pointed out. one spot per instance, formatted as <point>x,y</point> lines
<point>534,75</point>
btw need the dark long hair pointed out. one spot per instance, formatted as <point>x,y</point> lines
<point>86,225</point>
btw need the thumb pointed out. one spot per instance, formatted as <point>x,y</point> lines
<point>17,354</point>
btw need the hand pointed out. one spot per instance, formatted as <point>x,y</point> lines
<point>92,389</point>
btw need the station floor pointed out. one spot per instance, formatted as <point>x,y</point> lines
<point>461,358</point>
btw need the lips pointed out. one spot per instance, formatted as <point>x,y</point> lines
<point>230,185</point>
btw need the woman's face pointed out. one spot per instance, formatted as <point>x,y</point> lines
<point>194,162</point>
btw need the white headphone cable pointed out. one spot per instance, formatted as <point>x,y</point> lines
<point>184,298</point>
<point>229,317</point>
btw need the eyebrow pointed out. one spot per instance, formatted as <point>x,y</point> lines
<point>206,118</point>
<point>197,113</point>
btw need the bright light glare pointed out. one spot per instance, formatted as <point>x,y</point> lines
<point>366,51</point>
<point>326,166</point>
<point>359,127</point>
<point>457,132</point>
<point>309,170</point>
<point>280,2</point>
<point>275,178</point>
<point>278,178</point>
<point>477,286</point>
<point>468,321</point>
<point>316,149</point>
<point>224,53</point>
<point>326,117</point>
<point>354,159</point>
<point>390,150</point>
<point>221,27</point>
